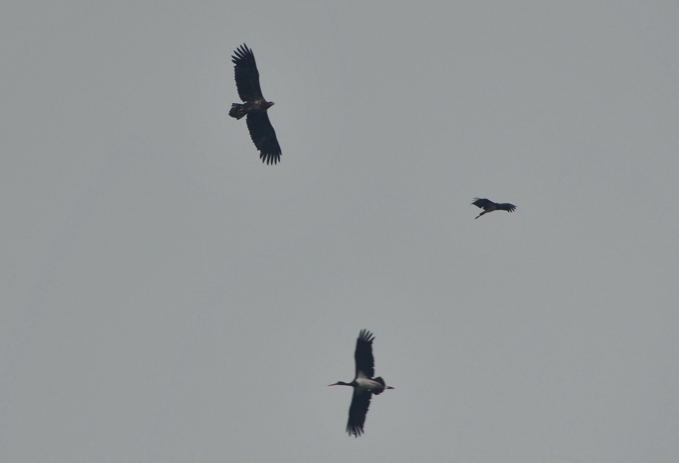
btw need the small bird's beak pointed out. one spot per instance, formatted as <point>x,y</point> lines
<point>390,387</point>
<point>333,384</point>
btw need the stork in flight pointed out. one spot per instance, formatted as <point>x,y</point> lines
<point>364,384</point>
<point>489,206</point>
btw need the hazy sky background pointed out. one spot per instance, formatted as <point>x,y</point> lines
<point>165,297</point>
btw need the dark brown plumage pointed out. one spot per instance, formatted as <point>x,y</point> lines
<point>489,206</point>
<point>254,105</point>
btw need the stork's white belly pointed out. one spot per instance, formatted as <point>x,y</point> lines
<point>368,384</point>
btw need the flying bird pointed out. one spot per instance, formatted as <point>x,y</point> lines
<point>364,384</point>
<point>254,106</point>
<point>489,206</point>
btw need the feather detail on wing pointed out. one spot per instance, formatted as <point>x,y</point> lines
<point>247,76</point>
<point>365,363</point>
<point>360,402</point>
<point>264,136</point>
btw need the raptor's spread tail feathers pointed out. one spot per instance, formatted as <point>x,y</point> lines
<point>237,111</point>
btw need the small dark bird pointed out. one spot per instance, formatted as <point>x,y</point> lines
<point>254,105</point>
<point>364,384</point>
<point>489,206</point>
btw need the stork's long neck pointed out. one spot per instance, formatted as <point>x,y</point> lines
<point>342,383</point>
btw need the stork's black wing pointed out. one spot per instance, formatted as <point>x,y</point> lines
<point>485,204</point>
<point>506,207</point>
<point>365,363</point>
<point>247,76</point>
<point>360,402</point>
<point>264,136</point>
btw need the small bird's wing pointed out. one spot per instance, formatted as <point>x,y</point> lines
<point>360,402</point>
<point>365,363</point>
<point>506,207</point>
<point>483,203</point>
<point>264,136</point>
<point>247,76</point>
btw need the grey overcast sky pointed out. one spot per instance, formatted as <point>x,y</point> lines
<point>166,297</point>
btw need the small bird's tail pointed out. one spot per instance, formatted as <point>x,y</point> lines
<point>237,110</point>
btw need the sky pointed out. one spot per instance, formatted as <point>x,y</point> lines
<point>166,297</point>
